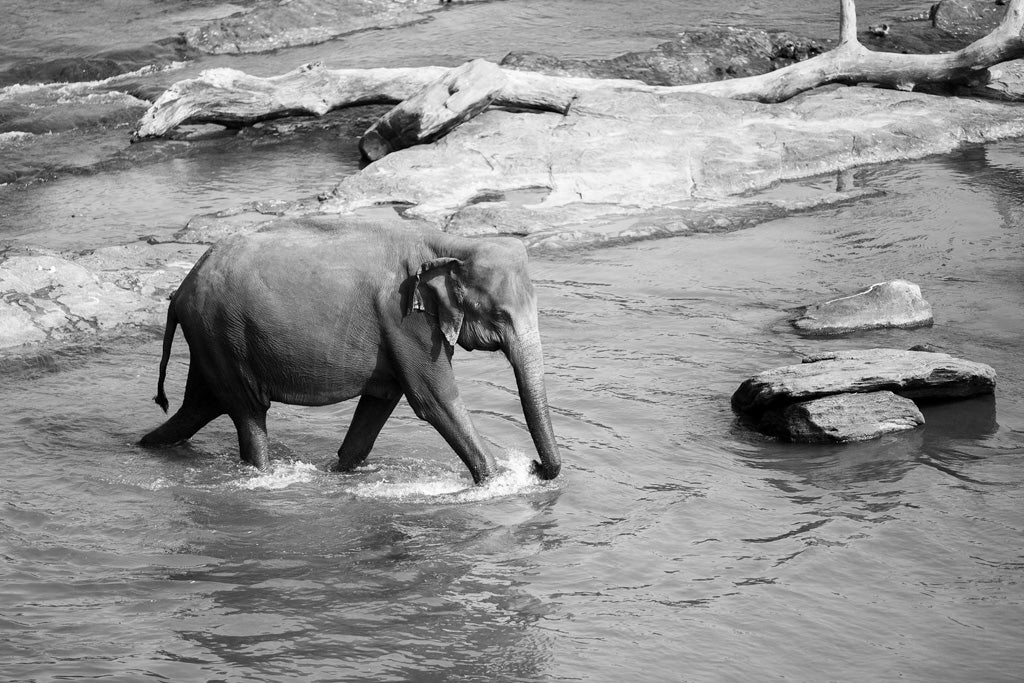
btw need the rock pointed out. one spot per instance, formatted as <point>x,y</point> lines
<point>969,19</point>
<point>95,67</point>
<point>1006,83</point>
<point>45,296</point>
<point>843,418</point>
<point>454,98</point>
<point>272,26</point>
<point>694,57</point>
<point>634,152</point>
<point>897,303</point>
<point>912,374</point>
<point>17,326</point>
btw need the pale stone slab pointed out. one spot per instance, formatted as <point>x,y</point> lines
<point>46,297</point>
<point>897,303</point>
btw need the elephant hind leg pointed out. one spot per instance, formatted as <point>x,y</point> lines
<point>198,409</point>
<point>253,445</point>
<point>371,414</point>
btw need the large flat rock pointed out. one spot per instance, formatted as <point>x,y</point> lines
<point>633,152</point>
<point>912,374</point>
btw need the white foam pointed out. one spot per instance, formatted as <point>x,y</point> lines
<point>514,477</point>
<point>15,136</point>
<point>80,88</point>
<point>281,475</point>
<point>155,485</point>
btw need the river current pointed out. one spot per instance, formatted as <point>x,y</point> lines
<point>676,545</point>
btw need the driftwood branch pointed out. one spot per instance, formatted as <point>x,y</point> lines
<point>232,98</point>
<point>850,62</point>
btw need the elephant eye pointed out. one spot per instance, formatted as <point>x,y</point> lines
<point>502,317</point>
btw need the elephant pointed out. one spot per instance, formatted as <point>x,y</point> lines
<point>319,310</point>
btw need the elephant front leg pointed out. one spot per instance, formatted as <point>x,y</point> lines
<point>371,414</point>
<point>451,419</point>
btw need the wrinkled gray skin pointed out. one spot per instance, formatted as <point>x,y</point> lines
<point>318,311</point>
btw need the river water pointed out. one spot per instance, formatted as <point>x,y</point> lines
<point>675,546</point>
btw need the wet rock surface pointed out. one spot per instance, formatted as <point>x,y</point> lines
<point>695,57</point>
<point>843,418</point>
<point>855,395</point>
<point>50,297</point>
<point>912,374</point>
<point>897,303</point>
<point>301,22</point>
<point>968,19</point>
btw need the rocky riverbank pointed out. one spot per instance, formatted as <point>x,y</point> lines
<point>619,165</point>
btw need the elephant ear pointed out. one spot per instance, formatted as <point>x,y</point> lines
<point>438,287</point>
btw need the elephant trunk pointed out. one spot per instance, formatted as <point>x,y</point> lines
<point>527,359</point>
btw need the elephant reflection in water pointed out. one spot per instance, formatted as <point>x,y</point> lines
<point>317,311</point>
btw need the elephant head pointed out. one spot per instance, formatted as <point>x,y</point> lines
<point>484,300</point>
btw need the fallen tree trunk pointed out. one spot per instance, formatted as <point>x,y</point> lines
<point>850,63</point>
<point>233,98</point>
<point>458,95</point>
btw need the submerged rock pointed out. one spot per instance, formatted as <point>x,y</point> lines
<point>301,22</point>
<point>95,67</point>
<point>694,57</point>
<point>897,303</point>
<point>843,418</point>
<point>912,374</point>
<point>970,19</point>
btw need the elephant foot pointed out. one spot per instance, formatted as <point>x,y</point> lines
<point>541,472</point>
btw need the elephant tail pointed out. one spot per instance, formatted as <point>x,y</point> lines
<point>169,329</point>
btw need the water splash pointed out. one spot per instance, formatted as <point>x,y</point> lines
<point>84,88</point>
<point>515,476</point>
<point>281,475</point>
<point>14,137</point>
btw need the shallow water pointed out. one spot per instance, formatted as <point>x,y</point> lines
<point>675,546</point>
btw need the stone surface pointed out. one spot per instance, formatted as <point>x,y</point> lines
<point>301,22</point>
<point>694,57</point>
<point>970,19</point>
<point>897,303</point>
<point>45,296</point>
<point>634,152</point>
<point>454,98</point>
<point>843,418</point>
<point>1006,82</point>
<point>912,374</point>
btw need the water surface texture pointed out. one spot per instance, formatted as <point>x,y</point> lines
<point>676,545</point>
